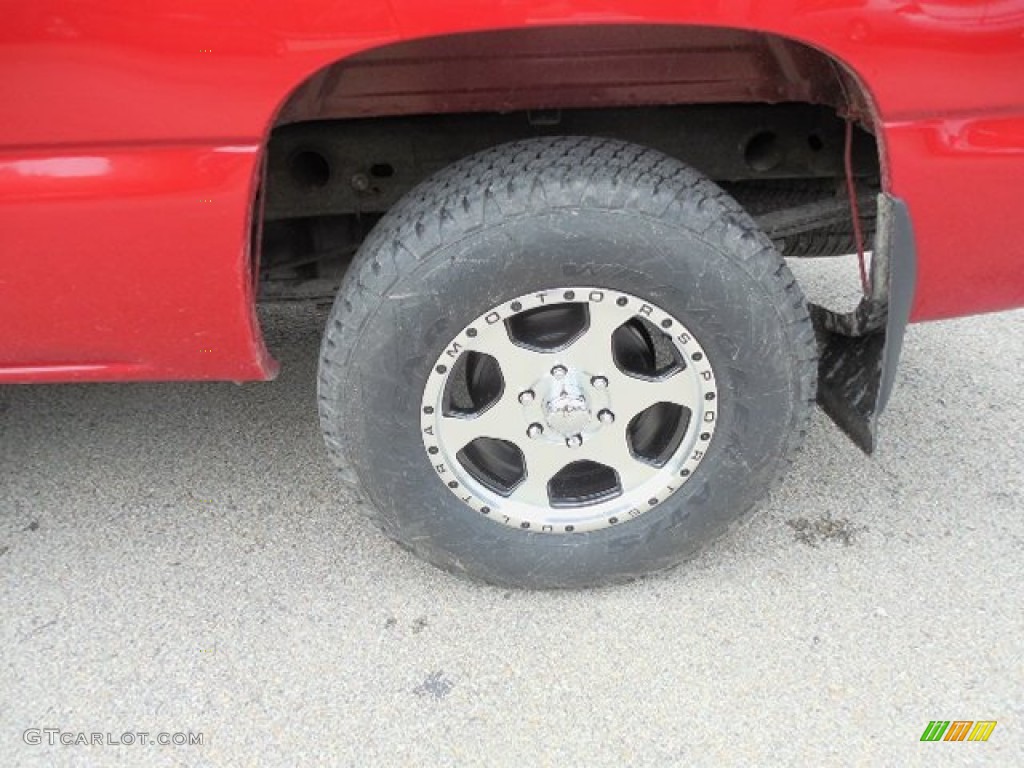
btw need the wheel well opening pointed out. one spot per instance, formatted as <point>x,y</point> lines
<point>762,115</point>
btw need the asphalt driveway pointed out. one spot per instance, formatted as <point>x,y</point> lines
<point>178,558</point>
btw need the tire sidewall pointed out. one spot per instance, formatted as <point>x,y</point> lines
<point>456,279</point>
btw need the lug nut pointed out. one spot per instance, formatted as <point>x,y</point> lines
<point>526,397</point>
<point>575,441</point>
<point>534,431</point>
<point>559,371</point>
<point>599,382</point>
<point>605,416</point>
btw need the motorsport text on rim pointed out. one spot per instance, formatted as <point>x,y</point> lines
<point>569,410</point>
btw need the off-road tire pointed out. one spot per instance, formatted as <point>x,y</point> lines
<point>541,214</point>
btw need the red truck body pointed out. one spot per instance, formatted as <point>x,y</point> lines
<point>133,136</point>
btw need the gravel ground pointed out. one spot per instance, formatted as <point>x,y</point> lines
<point>179,557</point>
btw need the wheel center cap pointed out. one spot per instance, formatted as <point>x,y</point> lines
<point>566,408</point>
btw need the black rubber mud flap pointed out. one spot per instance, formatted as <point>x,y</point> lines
<point>860,350</point>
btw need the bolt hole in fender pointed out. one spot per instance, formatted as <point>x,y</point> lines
<point>565,362</point>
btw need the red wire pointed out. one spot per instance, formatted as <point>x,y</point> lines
<point>851,192</point>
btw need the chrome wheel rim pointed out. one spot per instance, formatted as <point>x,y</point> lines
<point>569,410</point>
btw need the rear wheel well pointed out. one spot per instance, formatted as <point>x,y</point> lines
<point>762,115</point>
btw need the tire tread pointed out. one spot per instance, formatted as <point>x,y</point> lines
<point>517,179</point>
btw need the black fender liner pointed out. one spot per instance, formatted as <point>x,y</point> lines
<point>860,350</point>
